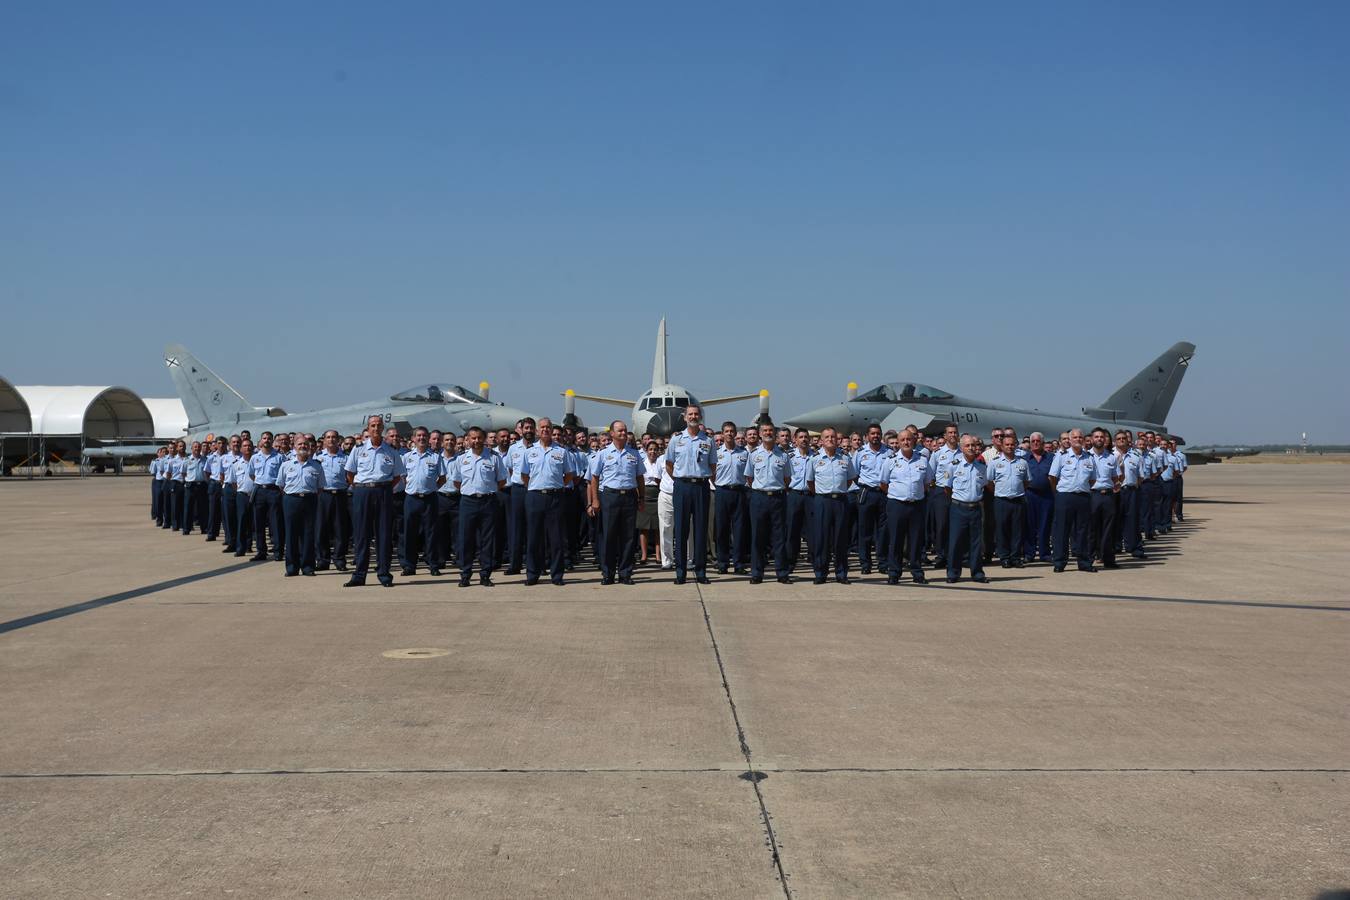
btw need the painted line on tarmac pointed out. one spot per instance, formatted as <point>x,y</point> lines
<point>62,612</point>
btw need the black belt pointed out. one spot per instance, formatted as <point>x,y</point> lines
<point>477,496</point>
<point>335,490</point>
<point>269,487</point>
<point>605,490</point>
<point>549,490</point>
<point>838,496</point>
<point>868,487</point>
<point>423,496</point>
<point>1129,487</point>
<point>1017,499</point>
<point>371,484</point>
<point>1103,491</point>
<point>702,480</point>
<point>968,504</point>
<point>773,493</point>
<point>730,487</point>
<point>301,494</point>
<point>898,500</point>
<point>797,491</point>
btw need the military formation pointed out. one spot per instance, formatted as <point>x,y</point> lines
<point>761,502</point>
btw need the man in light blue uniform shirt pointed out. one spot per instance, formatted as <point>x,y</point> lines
<point>799,503</point>
<point>447,506</point>
<point>424,473</point>
<point>173,484</point>
<point>480,474</point>
<point>334,505</point>
<point>159,469</point>
<point>691,461</point>
<point>264,466</point>
<point>730,526</point>
<point>194,490</point>
<point>300,479</point>
<point>1071,475</point>
<point>1131,460</point>
<point>1010,475</point>
<point>215,461</point>
<point>546,474</point>
<point>241,473</point>
<point>768,472</point>
<point>871,461</point>
<point>939,504</point>
<point>967,483</point>
<point>1105,503</point>
<point>832,472</point>
<point>373,468</point>
<point>905,478</point>
<point>615,477</point>
<point>1179,457</point>
<point>1162,501</point>
<point>517,534</point>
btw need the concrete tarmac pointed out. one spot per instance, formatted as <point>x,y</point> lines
<point>176,723</point>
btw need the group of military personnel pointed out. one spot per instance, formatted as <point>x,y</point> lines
<point>750,500</point>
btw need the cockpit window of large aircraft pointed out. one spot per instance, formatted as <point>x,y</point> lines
<point>438,393</point>
<point>902,392</point>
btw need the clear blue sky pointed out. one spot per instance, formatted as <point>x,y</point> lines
<point>1024,202</point>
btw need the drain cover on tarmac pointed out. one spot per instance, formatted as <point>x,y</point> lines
<point>415,653</point>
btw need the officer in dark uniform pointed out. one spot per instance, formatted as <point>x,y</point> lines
<point>301,480</point>
<point>480,475</point>
<point>1071,474</point>
<point>546,473</point>
<point>832,472</point>
<point>423,475</point>
<point>768,473</point>
<point>615,475</point>
<point>372,470</point>
<point>691,461</point>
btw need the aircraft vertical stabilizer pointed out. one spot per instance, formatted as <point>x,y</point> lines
<point>1148,396</point>
<point>659,378</point>
<point>206,398</point>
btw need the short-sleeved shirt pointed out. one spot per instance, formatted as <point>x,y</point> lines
<point>194,469</point>
<point>731,463</point>
<point>264,467</point>
<point>1074,472</point>
<point>618,470</point>
<point>767,469</point>
<point>1105,467</point>
<point>449,464</point>
<point>241,473</point>
<point>334,467</point>
<point>906,477</point>
<point>374,465</point>
<point>871,464</point>
<point>296,477</point>
<point>941,458</point>
<point>1010,476</point>
<point>422,471</point>
<point>514,454</point>
<point>479,474</point>
<point>832,474</point>
<point>801,469</point>
<point>691,457</point>
<point>967,479</point>
<point>1038,472</point>
<point>547,467</point>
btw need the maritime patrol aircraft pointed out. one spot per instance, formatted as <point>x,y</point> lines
<point>214,407</point>
<point>660,410</point>
<point>1142,403</point>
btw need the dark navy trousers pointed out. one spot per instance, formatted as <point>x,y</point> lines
<point>267,518</point>
<point>1129,518</point>
<point>477,534</point>
<point>729,525</point>
<point>544,532</point>
<point>1040,509</point>
<point>691,518</point>
<point>965,537</point>
<point>334,526</point>
<point>872,507</point>
<point>905,520</point>
<point>372,516</point>
<point>447,528</point>
<point>301,512</point>
<point>1009,517</point>
<point>798,525</point>
<point>768,533</point>
<point>618,514</point>
<point>1073,513</point>
<point>832,534</point>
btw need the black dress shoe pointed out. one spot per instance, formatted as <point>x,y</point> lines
<point>464,582</point>
<point>309,572</point>
<point>239,553</point>
<point>606,579</point>
<point>626,579</point>
<point>952,579</point>
<point>557,582</point>
<point>721,570</point>
<point>531,582</point>
<point>702,579</point>
<point>785,579</point>
<point>405,572</point>
<point>1059,568</point>
<point>819,579</point>
<point>1017,564</point>
<point>680,579</point>
<point>1110,565</point>
<point>258,558</point>
<point>353,582</point>
<point>842,579</point>
<point>290,573</point>
<point>511,572</point>
<point>741,570</point>
<point>865,570</point>
<point>485,582</point>
<point>919,579</point>
<point>1087,568</point>
<point>1006,564</point>
<point>226,549</point>
<point>209,539</point>
<point>321,567</point>
<point>755,579</point>
<point>892,579</point>
<point>1139,554</point>
<point>340,566</point>
<point>980,578</point>
<point>386,582</point>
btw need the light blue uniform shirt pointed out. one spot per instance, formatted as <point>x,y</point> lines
<point>1179,462</point>
<point>801,469</point>
<point>513,460</point>
<point>241,473</point>
<point>871,464</point>
<point>618,470</point>
<point>547,467</point>
<point>731,466</point>
<point>1131,466</point>
<point>691,457</point>
<point>374,465</point>
<point>194,469</point>
<point>479,474</point>
<point>421,472</point>
<point>1010,476</point>
<point>174,468</point>
<point>296,477</point>
<point>264,469</point>
<point>334,467</point>
<point>213,461</point>
<point>581,465</point>
<point>1104,469</point>
<point>1158,458</point>
<point>449,464</point>
<point>943,456</point>
<point>1073,471</point>
<point>227,467</point>
<point>906,478</point>
<point>1146,470</point>
<point>967,479</point>
<point>766,469</point>
<point>832,474</point>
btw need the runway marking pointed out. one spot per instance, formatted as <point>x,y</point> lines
<point>415,653</point>
<point>62,612</point>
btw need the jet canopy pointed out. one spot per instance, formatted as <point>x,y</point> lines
<point>902,392</point>
<point>438,393</point>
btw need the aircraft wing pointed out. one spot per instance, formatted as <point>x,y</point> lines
<point>610,400</point>
<point>754,396</point>
<point>902,416</point>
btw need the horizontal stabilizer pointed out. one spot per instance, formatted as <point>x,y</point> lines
<point>610,400</point>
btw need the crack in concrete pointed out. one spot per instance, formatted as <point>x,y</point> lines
<point>755,776</point>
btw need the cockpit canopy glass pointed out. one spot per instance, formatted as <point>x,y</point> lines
<point>438,393</point>
<point>902,392</point>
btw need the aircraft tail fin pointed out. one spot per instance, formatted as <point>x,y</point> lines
<point>206,397</point>
<point>659,363</point>
<point>1148,396</point>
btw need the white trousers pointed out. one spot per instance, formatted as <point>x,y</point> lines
<point>665,517</point>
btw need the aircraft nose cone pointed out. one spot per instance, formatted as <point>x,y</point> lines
<point>816,419</point>
<point>666,421</point>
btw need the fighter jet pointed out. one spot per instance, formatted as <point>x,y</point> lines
<point>214,407</point>
<point>660,410</point>
<point>1142,403</point>
<point>1199,456</point>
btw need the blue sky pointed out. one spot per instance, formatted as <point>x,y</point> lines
<point>1024,202</point>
